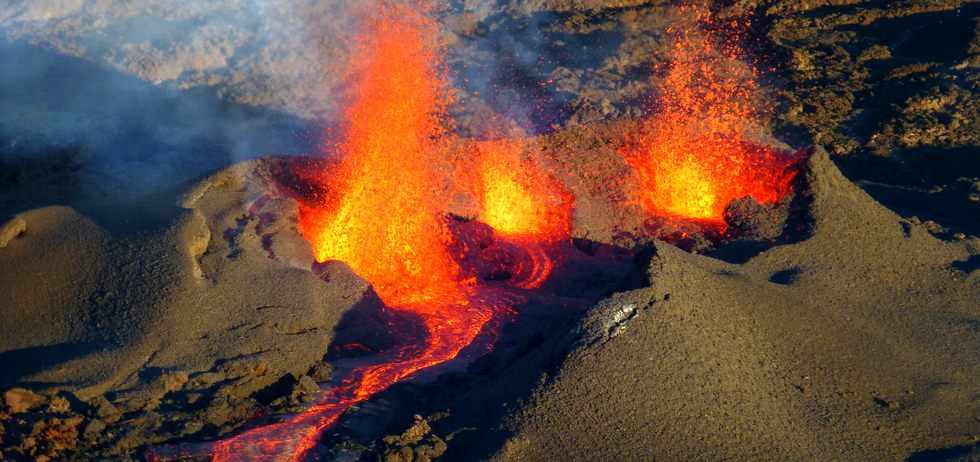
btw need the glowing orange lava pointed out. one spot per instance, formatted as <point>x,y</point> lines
<point>692,157</point>
<point>518,199</point>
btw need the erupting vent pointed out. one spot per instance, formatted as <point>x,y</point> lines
<point>518,199</point>
<point>692,157</point>
<point>383,215</point>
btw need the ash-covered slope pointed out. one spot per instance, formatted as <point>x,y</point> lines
<point>858,343</point>
<point>224,292</point>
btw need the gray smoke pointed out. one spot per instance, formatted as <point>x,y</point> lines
<point>109,102</point>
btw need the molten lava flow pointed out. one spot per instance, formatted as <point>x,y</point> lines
<point>386,221</point>
<point>692,157</point>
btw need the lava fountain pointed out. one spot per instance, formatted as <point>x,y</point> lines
<point>380,211</point>
<point>518,199</point>
<point>383,217</point>
<point>524,205</point>
<point>692,157</point>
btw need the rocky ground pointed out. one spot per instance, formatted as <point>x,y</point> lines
<point>115,107</point>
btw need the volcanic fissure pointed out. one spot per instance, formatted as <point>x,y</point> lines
<point>445,280</point>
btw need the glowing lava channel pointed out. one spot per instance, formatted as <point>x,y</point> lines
<point>384,217</point>
<point>691,158</point>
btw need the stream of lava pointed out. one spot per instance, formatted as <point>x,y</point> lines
<point>692,157</point>
<point>382,213</point>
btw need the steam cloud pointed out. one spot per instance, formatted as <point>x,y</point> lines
<point>131,98</point>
